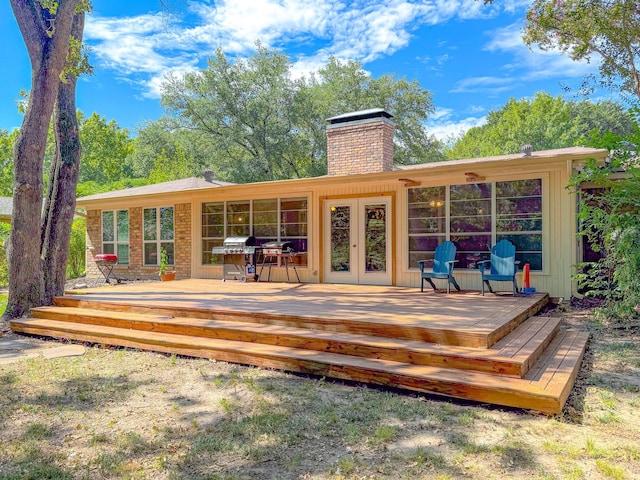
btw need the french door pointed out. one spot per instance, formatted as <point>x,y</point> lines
<point>357,241</point>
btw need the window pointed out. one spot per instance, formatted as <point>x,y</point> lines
<point>519,219</point>
<point>475,216</point>
<point>427,222</point>
<point>265,220</point>
<point>158,234</point>
<point>115,234</point>
<point>212,230</point>
<point>268,220</point>
<point>293,226</point>
<point>238,219</point>
<point>470,222</point>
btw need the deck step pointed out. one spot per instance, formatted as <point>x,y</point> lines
<point>515,354</point>
<point>480,337</point>
<point>544,387</point>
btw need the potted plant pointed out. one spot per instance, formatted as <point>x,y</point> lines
<point>165,273</point>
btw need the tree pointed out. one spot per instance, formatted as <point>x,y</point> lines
<point>6,162</point>
<point>60,201</point>
<point>46,27</point>
<point>607,31</point>
<point>610,221</point>
<point>161,140</point>
<point>545,122</point>
<point>341,87</point>
<point>105,150</point>
<point>247,107</point>
<point>180,167</point>
<point>258,123</point>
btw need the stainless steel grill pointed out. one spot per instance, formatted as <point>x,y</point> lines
<point>278,253</point>
<point>239,258</point>
<point>277,248</point>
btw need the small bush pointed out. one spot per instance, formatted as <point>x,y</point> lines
<point>610,222</point>
<point>4,267</point>
<point>77,247</point>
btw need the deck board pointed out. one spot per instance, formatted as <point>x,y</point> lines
<point>498,361</point>
<point>464,319</point>
<point>477,386</point>
<point>484,348</point>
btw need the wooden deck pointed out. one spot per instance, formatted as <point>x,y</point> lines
<point>490,349</point>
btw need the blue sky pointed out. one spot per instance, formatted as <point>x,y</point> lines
<point>468,55</point>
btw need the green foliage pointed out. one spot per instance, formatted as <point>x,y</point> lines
<point>77,248</point>
<point>92,187</point>
<point>606,31</point>
<point>250,120</point>
<point>6,162</point>
<point>545,122</point>
<point>105,149</point>
<point>164,261</point>
<point>166,168</point>
<point>610,222</point>
<point>342,87</point>
<point>4,268</point>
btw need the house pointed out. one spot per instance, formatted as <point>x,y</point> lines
<point>367,222</point>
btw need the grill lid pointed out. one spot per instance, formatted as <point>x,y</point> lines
<point>277,247</point>
<point>106,258</point>
<point>240,241</point>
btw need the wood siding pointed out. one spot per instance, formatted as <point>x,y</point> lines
<point>559,223</point>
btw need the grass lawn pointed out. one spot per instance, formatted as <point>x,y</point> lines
<point>119,413</point>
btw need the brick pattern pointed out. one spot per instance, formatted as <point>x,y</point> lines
<point>94,242</point>
<point>360,148</point>
<point>136,269</point>
<point>182,228</point>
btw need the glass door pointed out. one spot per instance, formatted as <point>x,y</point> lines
<point>357,241</point>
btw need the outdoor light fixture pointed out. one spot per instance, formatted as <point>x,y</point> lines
<point>409,183</point>
<point>472,177</point>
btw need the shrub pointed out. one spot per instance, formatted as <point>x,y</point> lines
<point>77,247</point>
<point>4,267</point>
<point>610,221</point>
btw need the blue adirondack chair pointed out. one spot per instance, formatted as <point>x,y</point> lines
<point>443,260</point>
<point>502,267</point>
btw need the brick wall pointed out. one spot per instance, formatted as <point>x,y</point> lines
<point>94,242</point>
<point>360,147</point>
<point>136,269</point>
<point>183,248</point>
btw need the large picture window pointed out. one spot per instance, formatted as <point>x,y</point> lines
<point>475,216</point>
<point>158,234</point>
<point>115,234</point>
<point>268,220</point>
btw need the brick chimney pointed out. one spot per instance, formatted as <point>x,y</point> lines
<point>360,142</point>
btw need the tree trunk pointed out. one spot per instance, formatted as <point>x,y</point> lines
<point>48,55</point>
<point>60,204</point>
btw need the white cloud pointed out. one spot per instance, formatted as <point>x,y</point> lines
<point>361,30</point>
<point>445,129</point>
<point>526,64</point>
<point>533,63</point>
<point>486,85</point>
<point>135,44</point>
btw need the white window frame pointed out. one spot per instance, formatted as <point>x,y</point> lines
<point>544,178</point>
<point>115,242</point>
<point>250,212</point>
<point>158,241</point>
